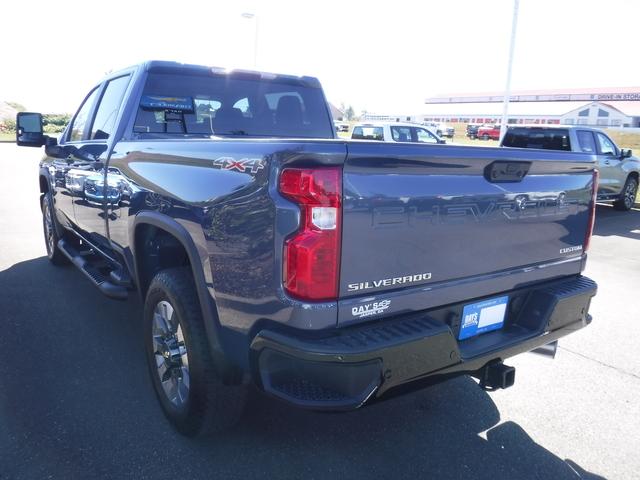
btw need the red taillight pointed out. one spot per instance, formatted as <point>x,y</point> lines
<point>312,254</point>
<point>592,211</point>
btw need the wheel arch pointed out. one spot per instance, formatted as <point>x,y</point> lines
<point>44,183</point>
<point>157,224</point>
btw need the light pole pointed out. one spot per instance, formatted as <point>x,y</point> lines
<point>253,16</point>
<point>507,88</point>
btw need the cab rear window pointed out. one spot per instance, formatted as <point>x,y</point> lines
<point>545,139</point>
<point>223,105</point>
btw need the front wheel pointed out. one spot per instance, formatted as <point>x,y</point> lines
<point>187,384</point>
<point>628,196</point>
<point>50,229</point>
<point>485,137</point>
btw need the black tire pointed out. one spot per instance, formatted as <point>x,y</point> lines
<point>627,196</point>
<point>210,406</point>
<point>51,229</point>
<point>485,137</point>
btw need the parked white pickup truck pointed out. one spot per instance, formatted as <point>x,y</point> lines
<point>619,169</point>
<point>395,132</point>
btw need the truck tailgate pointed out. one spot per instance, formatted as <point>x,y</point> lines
<point>426,225</point>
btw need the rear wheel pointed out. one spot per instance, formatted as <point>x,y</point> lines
<point>50,229</point>
<point>628,196</point>
<point>485,137</point>
<point>184,375</point>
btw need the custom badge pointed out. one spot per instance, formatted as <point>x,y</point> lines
<point>244,165</point>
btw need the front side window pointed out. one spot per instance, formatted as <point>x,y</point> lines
<point>401,134</point>
<point>425,136</point>
<point>82,117</point>
<point>605,145</point>
<point>105,119</point>
<point>586,141</point>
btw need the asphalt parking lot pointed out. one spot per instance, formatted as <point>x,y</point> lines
<point>76,400</point>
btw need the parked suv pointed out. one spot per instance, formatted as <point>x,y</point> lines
<point>395,132</point>
<point>444,130</point>
<point>619,170</point>
<point>472,130</point>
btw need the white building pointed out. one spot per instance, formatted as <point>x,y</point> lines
<point>608,107</point>
<point>605,107</point>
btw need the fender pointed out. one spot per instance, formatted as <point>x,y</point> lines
<point>44,174</point>
<point>228,372</point>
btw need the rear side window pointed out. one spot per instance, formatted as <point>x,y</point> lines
<point>82,117</point>
<point>229,105</point>
<point>546,139</point>
<point>105,118</point>
<point>367,133</point>
<point>586,141</point>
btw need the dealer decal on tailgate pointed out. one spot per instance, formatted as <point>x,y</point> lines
<point>483,317</point>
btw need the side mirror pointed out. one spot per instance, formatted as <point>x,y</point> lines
<point>29,132</point>
<point>442,141</point>
<point>625,152</point>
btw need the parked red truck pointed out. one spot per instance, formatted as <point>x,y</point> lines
<point>487,132</point>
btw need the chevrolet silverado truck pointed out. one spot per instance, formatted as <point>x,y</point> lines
<point>619,170</point>
<point>330,273</point>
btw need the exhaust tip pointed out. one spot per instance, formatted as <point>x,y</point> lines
<point>548,350</point>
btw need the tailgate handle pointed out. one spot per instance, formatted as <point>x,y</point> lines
<point>501,171</point>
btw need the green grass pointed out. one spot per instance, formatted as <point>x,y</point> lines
<point>7,137</point>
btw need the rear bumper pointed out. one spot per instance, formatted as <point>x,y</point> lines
<point>350,366</point>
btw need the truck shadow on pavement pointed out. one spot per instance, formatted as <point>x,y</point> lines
<point>76,402</point>
<point>610,221</point>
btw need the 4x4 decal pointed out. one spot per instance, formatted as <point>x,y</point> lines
<point>253,165</point>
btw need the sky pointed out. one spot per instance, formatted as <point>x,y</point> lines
<point>379,56</point>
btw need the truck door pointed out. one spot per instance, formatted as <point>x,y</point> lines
<point>68,169</point>
<point>101,188</point>
<point>612,177</point>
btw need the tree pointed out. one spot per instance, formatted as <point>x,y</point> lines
<point>349,113</point>
<point>8,125</point>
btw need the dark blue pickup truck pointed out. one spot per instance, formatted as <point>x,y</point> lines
<point>329,273</point>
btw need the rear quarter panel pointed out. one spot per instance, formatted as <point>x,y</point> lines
<point>234,215</point>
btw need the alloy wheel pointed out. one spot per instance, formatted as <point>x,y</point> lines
<point>170,352</point>
<point>48,229</point>
<point>630,194</point>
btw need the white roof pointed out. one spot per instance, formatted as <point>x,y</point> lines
<point>533,109</point>
<point>495,109</point>
<point>382,124</point>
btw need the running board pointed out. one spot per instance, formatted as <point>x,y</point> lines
<point>80,260</point>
